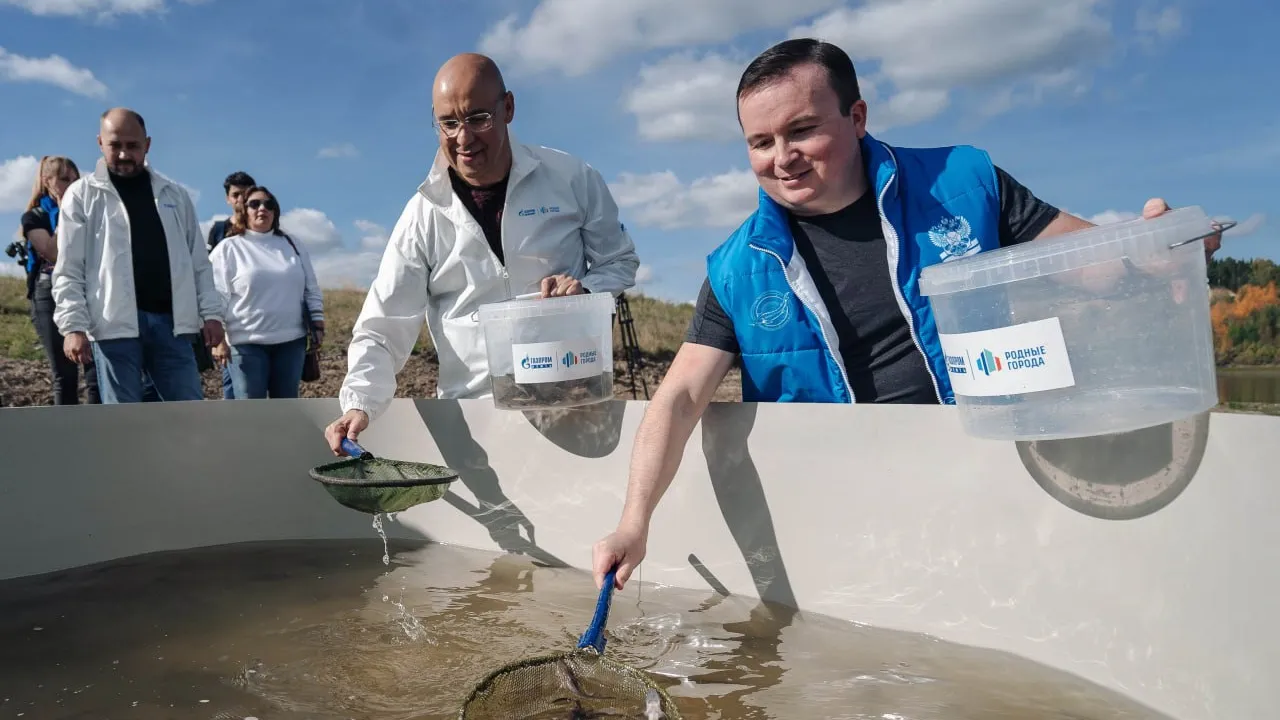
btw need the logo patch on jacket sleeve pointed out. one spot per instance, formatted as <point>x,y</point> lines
<point>954,238</point>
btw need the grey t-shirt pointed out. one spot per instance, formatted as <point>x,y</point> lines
<point>845,252</point>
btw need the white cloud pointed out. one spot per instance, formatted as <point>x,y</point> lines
<point>340,150</point>
<point>686,97</point>
<point>925,49</point>
<point>312,227</point>
<point>373,235</point>
<point>1154,26</point>
<point>644,274</point>
<point>908,59</point>
<point>1248,226</point>
<point>346,269</point>
<point>17,175</point>
<point>102,8</point>
<point>53,70</point>
<point>661,200</point>
<point>577,36</point>
<point>1106,217</point>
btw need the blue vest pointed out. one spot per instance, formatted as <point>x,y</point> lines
<point>936,205</point>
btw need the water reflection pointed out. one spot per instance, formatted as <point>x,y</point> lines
<point>318,630</point>
<point>1249,385</point>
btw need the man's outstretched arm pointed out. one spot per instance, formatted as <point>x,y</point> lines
<point>677,405</point>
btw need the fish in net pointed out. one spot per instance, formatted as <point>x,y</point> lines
<point>581,683</point>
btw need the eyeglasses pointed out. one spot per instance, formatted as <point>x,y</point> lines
<point>257,203</point>
<point>475,122</point>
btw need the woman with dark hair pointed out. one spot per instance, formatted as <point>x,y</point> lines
<point>40,230</point>
<point>273,302</point>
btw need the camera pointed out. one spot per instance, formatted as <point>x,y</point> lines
<point>17,250</point>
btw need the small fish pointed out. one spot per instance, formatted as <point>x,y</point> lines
<point>653,706</point>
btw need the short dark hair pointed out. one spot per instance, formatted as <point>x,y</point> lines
<point>777,61</point>
<point>237,179</point>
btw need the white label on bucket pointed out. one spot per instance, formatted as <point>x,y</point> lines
<point>557,361</point>
<point>1013,360</point>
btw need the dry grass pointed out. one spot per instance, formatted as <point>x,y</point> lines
<point>17,338</point>
<point>659,327</point>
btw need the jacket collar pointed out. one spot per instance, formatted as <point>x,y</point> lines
<point>770,226</point>
<point>439,191</point>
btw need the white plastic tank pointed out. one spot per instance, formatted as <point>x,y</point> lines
<point>1098,331</point>
<point>552,352</point>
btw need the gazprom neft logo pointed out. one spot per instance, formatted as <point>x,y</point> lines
<point>537,362</point>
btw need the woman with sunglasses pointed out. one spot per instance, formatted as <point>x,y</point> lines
<point>40,231</point>
<point>272,296</point>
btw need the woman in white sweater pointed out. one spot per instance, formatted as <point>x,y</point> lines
<point>272,294</point>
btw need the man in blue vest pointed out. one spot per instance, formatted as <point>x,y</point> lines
<point>817,292</point>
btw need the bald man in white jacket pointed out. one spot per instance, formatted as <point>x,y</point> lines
<point>494,219</point>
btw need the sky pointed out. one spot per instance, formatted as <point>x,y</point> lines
<point>1096,105</point>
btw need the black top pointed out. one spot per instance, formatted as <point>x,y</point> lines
<point>485,205</point>
<point>845,252</point>
<point>37,219</point>
<point>152,284</point>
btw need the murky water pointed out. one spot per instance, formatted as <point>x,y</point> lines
<point>323,630</point>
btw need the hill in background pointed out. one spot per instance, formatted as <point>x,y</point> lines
<point>1245,310</point>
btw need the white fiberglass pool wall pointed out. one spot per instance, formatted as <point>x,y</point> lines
<point>1148,563</point>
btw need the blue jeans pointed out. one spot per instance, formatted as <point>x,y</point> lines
<point>260,371</point>
<point>228,388</point>
<point>167,360</point>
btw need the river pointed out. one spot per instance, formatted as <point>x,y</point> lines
<point>1249,384</point>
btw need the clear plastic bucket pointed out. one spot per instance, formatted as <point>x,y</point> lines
<point>549,353</point>
<point>1099,331</point>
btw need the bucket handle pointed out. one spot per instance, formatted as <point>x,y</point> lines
<point>1221,227</point>
<point>475,314</point>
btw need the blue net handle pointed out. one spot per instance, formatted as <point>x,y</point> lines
<point>350,447</point>
<point>594,636</point>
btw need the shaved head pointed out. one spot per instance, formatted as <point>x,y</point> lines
<point>472,109</point>
<point>467,71</point>
<point>122,138</point>
<point>118,116</point>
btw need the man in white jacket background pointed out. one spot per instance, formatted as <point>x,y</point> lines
<point>133,283</point>
<point>494,219</point>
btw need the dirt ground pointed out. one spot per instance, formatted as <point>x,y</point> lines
<point>28,382</point>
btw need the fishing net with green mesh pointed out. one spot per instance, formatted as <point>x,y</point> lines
<point>377,485</point>
<point>580,683</point>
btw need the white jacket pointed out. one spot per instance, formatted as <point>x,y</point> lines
<point>559,218</point>
<point>93,278</point>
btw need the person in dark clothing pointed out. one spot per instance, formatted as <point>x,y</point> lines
<point>39,229</point>
<point>236,186</point>
<point>816,295</point>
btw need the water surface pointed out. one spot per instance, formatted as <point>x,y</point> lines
<point>1249,385</point>
<point>323,630</point>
